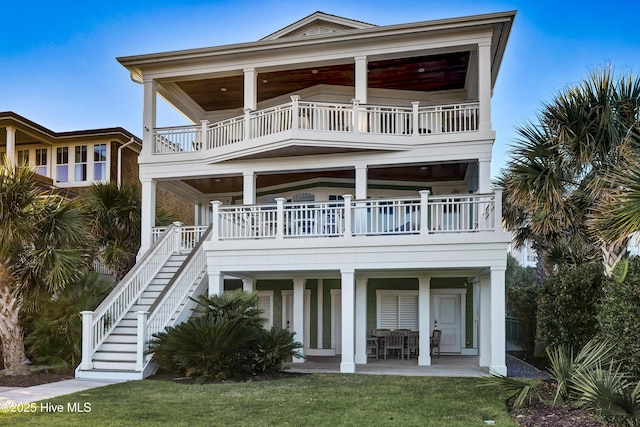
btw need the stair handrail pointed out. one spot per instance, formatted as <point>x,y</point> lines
<point>174,293</point>
<point>111,311</point>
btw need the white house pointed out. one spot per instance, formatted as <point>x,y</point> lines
<point>341,170</point>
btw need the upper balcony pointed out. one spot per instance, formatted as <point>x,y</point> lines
<point>323,123</point>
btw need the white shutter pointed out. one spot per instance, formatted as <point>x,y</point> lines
<point>408,312</point>
<point>388,314</point>
<point>265,302</point>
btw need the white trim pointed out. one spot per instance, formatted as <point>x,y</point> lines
<point>320,337</point>
<point>307,306</point>
<point>334,292</point>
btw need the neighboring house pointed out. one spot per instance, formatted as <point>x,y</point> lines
<point>73,161</point>
<point>525,255</point>
<point>342,170</point>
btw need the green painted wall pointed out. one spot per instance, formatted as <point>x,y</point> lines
<point>326,310</point>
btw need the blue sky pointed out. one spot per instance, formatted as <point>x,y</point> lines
<point>58,66</point>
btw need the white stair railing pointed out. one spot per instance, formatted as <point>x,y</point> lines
<point>97,325</point>
<point>177,289</point>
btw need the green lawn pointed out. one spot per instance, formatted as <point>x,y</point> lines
<point>316,400</point>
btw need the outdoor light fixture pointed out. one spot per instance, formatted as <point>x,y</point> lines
<point>223,89</point>
<point>421,70</point>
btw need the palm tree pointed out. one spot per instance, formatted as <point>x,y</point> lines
<point>42,248</point>
<point>115,224</point>
<point>558,185</point>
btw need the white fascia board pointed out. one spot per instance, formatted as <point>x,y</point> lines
<point>476,251</point>
<point>482,22</point>
<point>190,165</point>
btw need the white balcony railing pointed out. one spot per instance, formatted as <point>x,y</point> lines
<point>469,213</point>
<point>321,117</point>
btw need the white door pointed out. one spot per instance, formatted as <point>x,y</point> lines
<point>447,317</point>
<point>287,313</point>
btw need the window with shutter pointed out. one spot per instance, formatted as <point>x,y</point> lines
<point>397,309</point>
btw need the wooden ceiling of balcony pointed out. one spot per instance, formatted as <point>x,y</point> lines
<point>423,73</point>
<point>429,173</point>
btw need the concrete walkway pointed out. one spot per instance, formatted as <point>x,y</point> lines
<point>47,391</point>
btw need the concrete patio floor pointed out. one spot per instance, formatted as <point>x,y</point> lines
<point>445,366</point>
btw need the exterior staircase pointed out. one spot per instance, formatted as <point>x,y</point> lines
<point>155,294</point>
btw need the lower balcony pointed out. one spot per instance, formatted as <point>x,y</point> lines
<point>452,214</point>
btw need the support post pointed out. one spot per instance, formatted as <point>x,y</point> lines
<point>484,85</point>
<point>216,283</point>
<point>424,212</point>
<point>361,320</point>
<point>347,365</point>
<point>203,136</point>
<point>215,219</point>
<point>498,209</point>
<point>141,345</point>
<point>250,88</point>
<point>148,214</point>
<point>295,113</point>
<point>248,284</point>
<point>484,346</point>
<point>148,117</point>
<point>247,124</point>
<point>498,363</point>
<point>298,315</point>
<point>415,118</point>
<point>10,148</point>
<point>177,235</point>
<point>280,217</point>
<point>249,188</point>
<point>348,215</point>
<point>87,340</point>
<point>424,319</point>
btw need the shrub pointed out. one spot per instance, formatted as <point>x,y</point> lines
<point>619,317</point>
<point>568,305</point>
<point>207,348</point>
<point>225,341</point>
<point>53,338</point>
<point>274,347</point>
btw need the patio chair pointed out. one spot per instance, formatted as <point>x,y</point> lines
<point>412,343</point>
<point>435,341</point>
<point>394,340</point>
<point>372,344</point>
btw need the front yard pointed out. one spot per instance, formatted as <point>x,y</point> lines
<point>314,400</point>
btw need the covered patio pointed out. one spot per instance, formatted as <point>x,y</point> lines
<point>445,366</point>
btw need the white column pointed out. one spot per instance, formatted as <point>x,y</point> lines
<point>361,183</point>
<point>249,284</point>
<point>484,344</point>
<point>87,339</point>
<point>249,188</point>
<point>361,320</point>
<point>141,343</point>
<point>347,365</point>
<point>250,88</point>
<point>484,176</point>
<point>216,282</point>
<point>498,363</point>
<point>361,78</point>
<point>148,214</point>
<point>148,116</point>
<point>424,316</point>
<point>320,311</point>
<point>11,145</point>
<point>484,85</point>
<point>298,315</point>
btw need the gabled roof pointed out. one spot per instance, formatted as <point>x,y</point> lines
<point>318,23</point>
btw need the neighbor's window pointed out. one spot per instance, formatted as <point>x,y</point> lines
<point>81,163</point>
<point>62,164</point>
<point>23,158</point>
<point>41,161</point>
<point>100,162</point>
